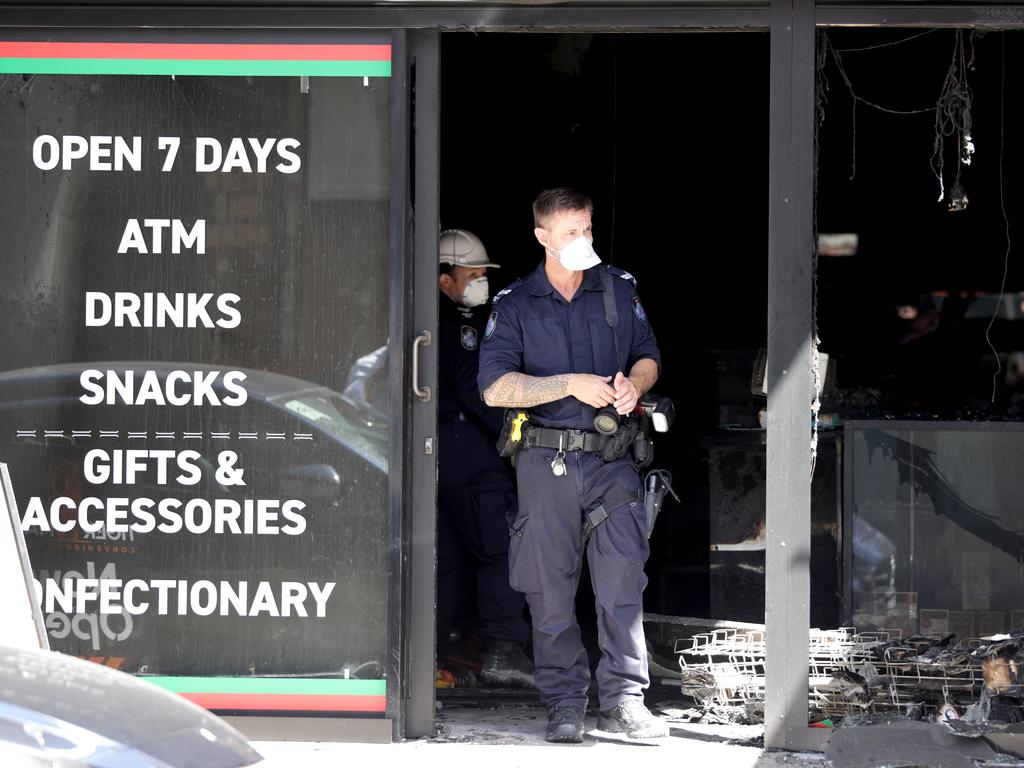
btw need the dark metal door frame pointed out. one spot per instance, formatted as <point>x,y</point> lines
<point>991,15</point>
<point>398,376</point>
<point>420,591</point>
<point>566,16</point>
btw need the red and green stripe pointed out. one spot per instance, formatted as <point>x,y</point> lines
<point>219,59</point>
<point>279,694</point>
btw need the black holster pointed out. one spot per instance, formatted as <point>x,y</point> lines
<point>657,483</point>
<point>616,446</point>
<point>643,446</point>
<point>505,445</point>
<point>508,448</point>
<point>633,433</point>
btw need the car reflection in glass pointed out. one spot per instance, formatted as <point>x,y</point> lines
<point>46,396</point>
<point>365,384</point>
<point>294,441</point>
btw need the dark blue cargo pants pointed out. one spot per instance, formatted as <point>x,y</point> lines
<point>545,556</point>
<point>475,500</point>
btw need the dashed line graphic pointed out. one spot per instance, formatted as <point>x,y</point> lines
<point>133,435</point>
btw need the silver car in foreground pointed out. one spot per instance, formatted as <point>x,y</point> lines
<point>57,711</point>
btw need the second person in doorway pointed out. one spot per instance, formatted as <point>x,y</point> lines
<point>476,493</point>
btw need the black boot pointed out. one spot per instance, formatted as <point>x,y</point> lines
<point>565,726</point>
<point>506,665</point>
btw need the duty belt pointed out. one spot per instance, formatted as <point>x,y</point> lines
<point>566,439</point>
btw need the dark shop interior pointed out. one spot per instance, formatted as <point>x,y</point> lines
<point>918,299</point>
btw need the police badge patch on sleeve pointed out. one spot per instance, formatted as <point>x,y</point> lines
<point>468,337</point>
<point>638,309</point>
<point>492,323</point>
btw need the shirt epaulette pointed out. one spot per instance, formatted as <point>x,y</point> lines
<point>515,284</point>
<point>622,273</point>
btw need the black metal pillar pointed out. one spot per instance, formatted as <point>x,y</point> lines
<point>790,285</point>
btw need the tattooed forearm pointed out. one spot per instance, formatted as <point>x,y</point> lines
<point>517,390</point>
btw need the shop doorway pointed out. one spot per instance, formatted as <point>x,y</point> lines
<point>668,133</point>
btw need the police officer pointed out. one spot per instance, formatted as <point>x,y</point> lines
<point>549,346</point>
<point>476,495</point>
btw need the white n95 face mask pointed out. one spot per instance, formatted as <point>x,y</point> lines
<point>579,255</point>
<point>476,292</point>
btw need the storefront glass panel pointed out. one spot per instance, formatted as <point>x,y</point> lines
<point>193,345</point>
<point>936,528</point>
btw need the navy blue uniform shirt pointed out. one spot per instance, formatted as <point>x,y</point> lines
<point>534,330</point>
<point>461,330</point>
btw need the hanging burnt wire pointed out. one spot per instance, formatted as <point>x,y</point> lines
<point>825,48</point>
<point>1002,208</point>
<point>821,84</point>
<point>953,119</point>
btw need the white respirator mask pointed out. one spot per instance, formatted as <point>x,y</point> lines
<point>477,292</point>
<point>579,255</point>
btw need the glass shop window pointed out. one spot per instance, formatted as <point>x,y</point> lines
<point>937,528</point>
<point>193,365</point>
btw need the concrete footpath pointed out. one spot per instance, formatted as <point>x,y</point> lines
<point>511,736</point>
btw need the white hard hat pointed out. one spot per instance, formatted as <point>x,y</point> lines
<point>463,249</point>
